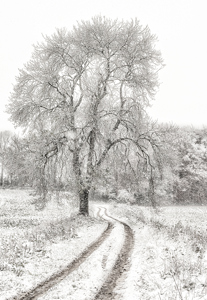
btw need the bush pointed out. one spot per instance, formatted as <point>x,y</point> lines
<point>125,197</point>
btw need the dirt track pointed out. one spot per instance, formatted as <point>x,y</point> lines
<point>107,291</point>
<point>122,265</point>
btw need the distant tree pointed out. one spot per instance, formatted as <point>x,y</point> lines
<point>5,141</point>
<point>191,183</point>
<point>18,162</point>
<point>89,88</point>
<point>166,161</point>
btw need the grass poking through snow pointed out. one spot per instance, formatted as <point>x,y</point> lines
<point>169,260</point>
<point>35,244</point>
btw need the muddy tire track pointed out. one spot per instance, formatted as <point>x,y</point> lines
<point>121,266</point>
<point>54,279</point>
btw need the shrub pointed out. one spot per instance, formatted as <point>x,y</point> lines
<point>125,197</point>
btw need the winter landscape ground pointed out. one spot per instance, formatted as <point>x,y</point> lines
<point>167,258</point>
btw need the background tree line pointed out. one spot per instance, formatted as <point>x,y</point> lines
<point>179,168</point>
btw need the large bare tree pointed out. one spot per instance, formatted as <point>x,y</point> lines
<point>89,87</point>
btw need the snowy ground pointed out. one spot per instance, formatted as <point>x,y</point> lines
<point>85,282</point>
<point>169,258</point>
<point>25,262</point>
<point>164,267</point>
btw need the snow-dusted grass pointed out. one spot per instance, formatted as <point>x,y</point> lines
<point>188,223</point>
<point>194,216</point>
<point>166,263</point>
<point>35,244</point>
<point>169,259</point>
<point>24,230</point>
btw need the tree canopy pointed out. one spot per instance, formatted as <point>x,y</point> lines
<point>86,90</point>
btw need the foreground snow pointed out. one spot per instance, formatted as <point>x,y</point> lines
<point>169,259</point>
<point>162,267</point>
<point>85,282</point>
<point>40,262</point>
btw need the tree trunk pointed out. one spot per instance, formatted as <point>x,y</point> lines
<point>2,174</point>
<point>83,196</point>
<point>151,192</point>
<point>83,192</point>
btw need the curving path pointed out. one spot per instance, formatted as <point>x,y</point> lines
<point>121,266</point>
<point>116,277</point>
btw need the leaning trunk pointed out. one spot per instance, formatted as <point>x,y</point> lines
<point>83,196</point>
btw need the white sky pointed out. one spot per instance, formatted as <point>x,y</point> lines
<point>180,25</point>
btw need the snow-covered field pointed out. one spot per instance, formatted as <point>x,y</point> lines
<point>169,258</point>
<point>85,282</point>
<point>35,244</point>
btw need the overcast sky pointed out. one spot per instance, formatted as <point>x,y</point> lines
<point>180,25</point>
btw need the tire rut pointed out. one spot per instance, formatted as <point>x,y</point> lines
<point>122,265</point>
<point>54,279</point>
